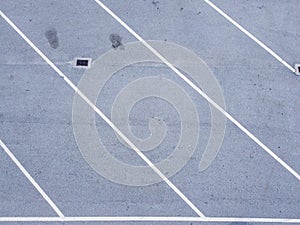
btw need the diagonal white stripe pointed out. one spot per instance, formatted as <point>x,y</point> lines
<point>226,16</point>
<point>32,181</point>
<point>196,88</point>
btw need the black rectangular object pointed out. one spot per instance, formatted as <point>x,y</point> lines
<point>82,62</point>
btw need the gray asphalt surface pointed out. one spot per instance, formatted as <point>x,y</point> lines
<point>36,108</point>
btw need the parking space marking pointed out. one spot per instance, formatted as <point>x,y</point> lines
<point>202,218</point>
<point>197,89</point>
<point>150,219</point>
<point>30,178</point>
<point>227,17</point>
<point>103,116</point>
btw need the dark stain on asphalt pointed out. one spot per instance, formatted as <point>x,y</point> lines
<point>261,7</point>
<point>51,36</point>
<point>116,41</point>
<point>155,3</point>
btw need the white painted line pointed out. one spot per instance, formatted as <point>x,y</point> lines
<point>148,219</point>
<point>252,220</point>
<point>226,16</point>
<point>104,117</point>
<point>32,181</point>
<point>196,88</point>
